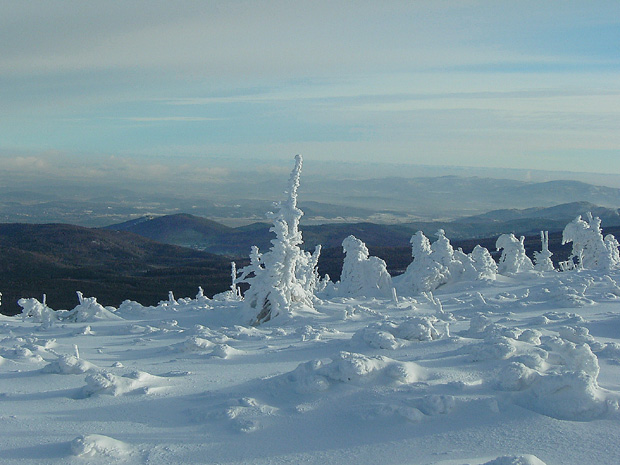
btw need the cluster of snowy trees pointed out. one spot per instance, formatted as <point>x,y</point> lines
<point>285,278</point>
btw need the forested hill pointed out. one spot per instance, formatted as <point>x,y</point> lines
<point>58,259</point>
<point>204,234</point>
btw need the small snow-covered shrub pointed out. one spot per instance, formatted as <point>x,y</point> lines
<point>542,259</point>
<point>391,335</point>
<point>69,365</point>
<point>89,309</point>
<point>37,312</point>
<point>350,368</point>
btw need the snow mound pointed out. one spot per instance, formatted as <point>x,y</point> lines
<point>244,415</point>
<point>497,348</point>
<point>98,445</point>
<point>104,382</point>
<point>558,379</point>
<point>69,365</point>
<point>194,344</point>
<point>352,368</point>
<point>246,333</point>
<point>225,351</point>
<point>20,354</point>
<point>516,460</point>
<point>391,335</point>
<point>579,335</point>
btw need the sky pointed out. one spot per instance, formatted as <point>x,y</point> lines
<point>135,87</point>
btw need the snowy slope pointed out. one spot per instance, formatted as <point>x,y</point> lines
<point>527,364</point>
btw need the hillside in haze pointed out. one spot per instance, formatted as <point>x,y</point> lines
<point>244,200</point>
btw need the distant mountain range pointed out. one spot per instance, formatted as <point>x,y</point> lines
<point>203,234</point>
<point>323,199</point>
<point>456,196</point>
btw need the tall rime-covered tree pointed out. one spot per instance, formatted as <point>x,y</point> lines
<point>284,277</point>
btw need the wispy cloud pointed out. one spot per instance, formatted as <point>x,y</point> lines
<point>161,119</point>
<point>458,82</point>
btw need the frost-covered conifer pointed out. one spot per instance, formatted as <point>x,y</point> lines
<point>441,250</point>
<point>459,265</point>
<point>513,259</point>
<point>484,263</point>
<point>363,275</point>
<point>542,259</point>
<point>437,264</point>
<point>285,276</point>
<point>590,249</point>
<point>424,273</point>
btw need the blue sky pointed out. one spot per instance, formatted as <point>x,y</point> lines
<point>516,84</point>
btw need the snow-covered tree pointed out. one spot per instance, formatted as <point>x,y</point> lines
<point>284,277</point>
<point>484,263</point>
<point>437,264</point>
<point>542,259</point>
<point>363,275</point>
<point>513,259</point>
<point>590,249</point>
<point>424,273</point>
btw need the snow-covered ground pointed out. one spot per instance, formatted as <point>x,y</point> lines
<point>518,370</point>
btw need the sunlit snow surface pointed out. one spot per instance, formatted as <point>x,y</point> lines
<point>522,370</point>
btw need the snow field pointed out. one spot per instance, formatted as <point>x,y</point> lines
<point>499,369</point>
